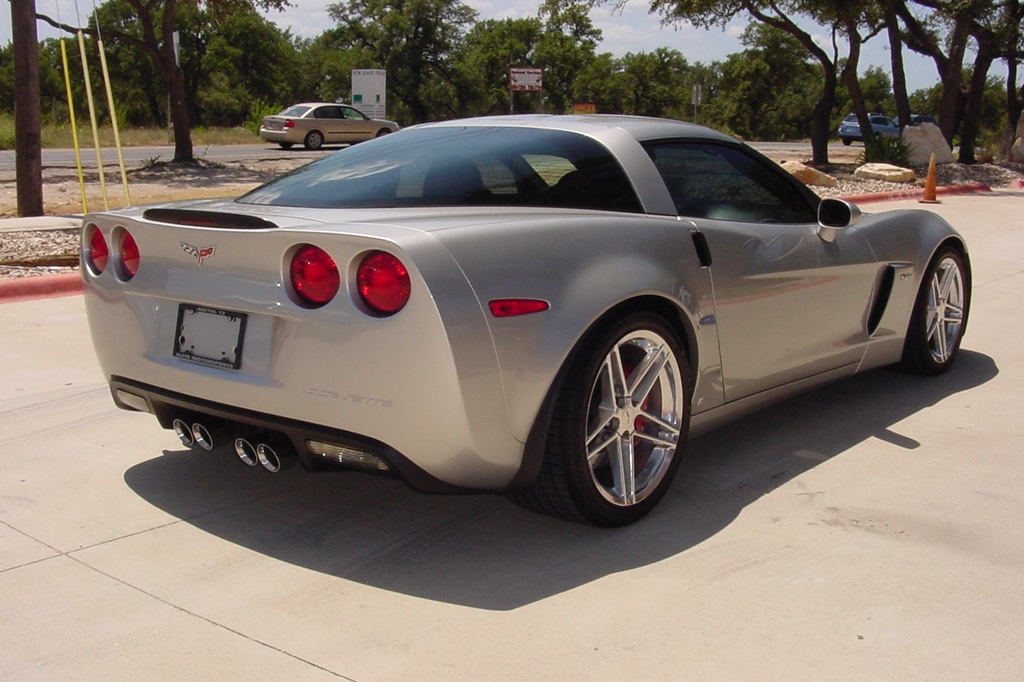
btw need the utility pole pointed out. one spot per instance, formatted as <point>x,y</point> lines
<point>28,155</point>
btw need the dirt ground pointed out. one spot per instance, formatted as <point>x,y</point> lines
<point>157,182</point>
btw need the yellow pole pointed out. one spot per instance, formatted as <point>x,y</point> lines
<point>92,118</point>
<point>113,122</point>
<point>74,126</point>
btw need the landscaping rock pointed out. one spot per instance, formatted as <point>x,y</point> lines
<point>1017,151</point>
<point>808,175</point>
<point>924,140</point>
<point>885,172</point>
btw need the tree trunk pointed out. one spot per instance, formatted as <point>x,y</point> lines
<point>821,119</point>
<point>178,104</point>
<point>899,75</point>
<point>975,98</point>
<point>27,126</point>
<point>852,83</point>
<point>1014,98</point>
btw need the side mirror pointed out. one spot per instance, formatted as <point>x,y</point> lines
<point>834,215</point>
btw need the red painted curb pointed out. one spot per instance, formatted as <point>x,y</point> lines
<point>916,193</point>
<point>45,286</point>
<point>1017,184</point>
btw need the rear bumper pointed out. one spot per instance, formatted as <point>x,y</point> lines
<point>231,422</point>
<point>280,136</point>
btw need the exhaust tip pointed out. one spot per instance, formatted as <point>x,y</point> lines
<point>184,432</point>
<point>203,437</point>
<point>268,458</point>
<point>246,452</point>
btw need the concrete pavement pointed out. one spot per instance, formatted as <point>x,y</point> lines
<point>868,530</point>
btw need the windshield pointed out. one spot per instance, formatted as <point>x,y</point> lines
<point>467,166</point>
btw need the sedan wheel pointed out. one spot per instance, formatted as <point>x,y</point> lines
<point>314,140</point>
<point>618,427</point>
<point>939,317</point>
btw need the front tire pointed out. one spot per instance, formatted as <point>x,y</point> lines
<point>618,428</point>
<point>939,317</point>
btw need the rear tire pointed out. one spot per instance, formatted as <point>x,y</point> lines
<point>382,132</point>
<point>618,426</point>
<point>940,315</point>
<point>847,141</point>
<point>314,140</point>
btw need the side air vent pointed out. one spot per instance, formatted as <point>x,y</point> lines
<point>882,294</point>
<point>224,221</point>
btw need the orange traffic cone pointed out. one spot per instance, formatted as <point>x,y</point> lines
<point>929,183</point>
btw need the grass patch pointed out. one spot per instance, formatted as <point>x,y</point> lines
<point>60,137</point>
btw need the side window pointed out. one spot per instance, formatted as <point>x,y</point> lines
<point>708,180</point>
<point>328,112</point>
<point>353,114</point>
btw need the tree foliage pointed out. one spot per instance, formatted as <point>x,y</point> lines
<point>443,63</point>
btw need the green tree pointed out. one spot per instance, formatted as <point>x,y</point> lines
<point>781,15</point>
<point>566,48</point>
<point>150,29</point>
<point>767,85</point>
<point>657,81</point>
<point>238,62</point>
<point>491,48</point>
<point>413,40</point>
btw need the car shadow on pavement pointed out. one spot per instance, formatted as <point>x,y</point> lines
<point>482,551</point>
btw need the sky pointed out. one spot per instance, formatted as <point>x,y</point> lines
<point>629,29</point>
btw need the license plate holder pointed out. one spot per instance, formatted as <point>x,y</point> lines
<point>209,336</point>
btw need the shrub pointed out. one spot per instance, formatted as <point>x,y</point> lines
<point>257,111</point>
<point>884,149</point>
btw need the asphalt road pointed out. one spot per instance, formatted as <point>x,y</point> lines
<point>138,156</point>
<point>869,530</point>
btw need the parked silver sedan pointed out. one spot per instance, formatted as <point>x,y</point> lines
<point>315,124</point>
<point>543,306</point>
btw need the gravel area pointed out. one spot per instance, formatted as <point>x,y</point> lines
<point>46,252</point>
<point>38,252</point>
<point>948,174</point>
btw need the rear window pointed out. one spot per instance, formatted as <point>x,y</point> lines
<point>468,166</point>
<point>297,111</point>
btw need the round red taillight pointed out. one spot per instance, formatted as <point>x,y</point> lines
<point>314,275</point>
<point>129,255</point>
<point>383,283</point>
<point>99,252</point>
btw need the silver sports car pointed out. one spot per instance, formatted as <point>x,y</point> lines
<point>543,306</point>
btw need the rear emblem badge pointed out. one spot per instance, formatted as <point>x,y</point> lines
<point>197,253</point>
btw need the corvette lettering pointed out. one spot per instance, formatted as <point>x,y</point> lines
<point>357,399</point>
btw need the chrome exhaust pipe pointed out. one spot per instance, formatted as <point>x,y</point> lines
<point>184,432</point>
<point>206,437</point>
<point>271,459</point>
<point>246,452</point>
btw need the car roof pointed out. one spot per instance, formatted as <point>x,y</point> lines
<point>318,104</point>
<point>639,127</point>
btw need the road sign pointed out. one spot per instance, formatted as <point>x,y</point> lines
<point>522,78</point>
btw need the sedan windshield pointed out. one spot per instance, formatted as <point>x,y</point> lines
<point>467,166</point>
